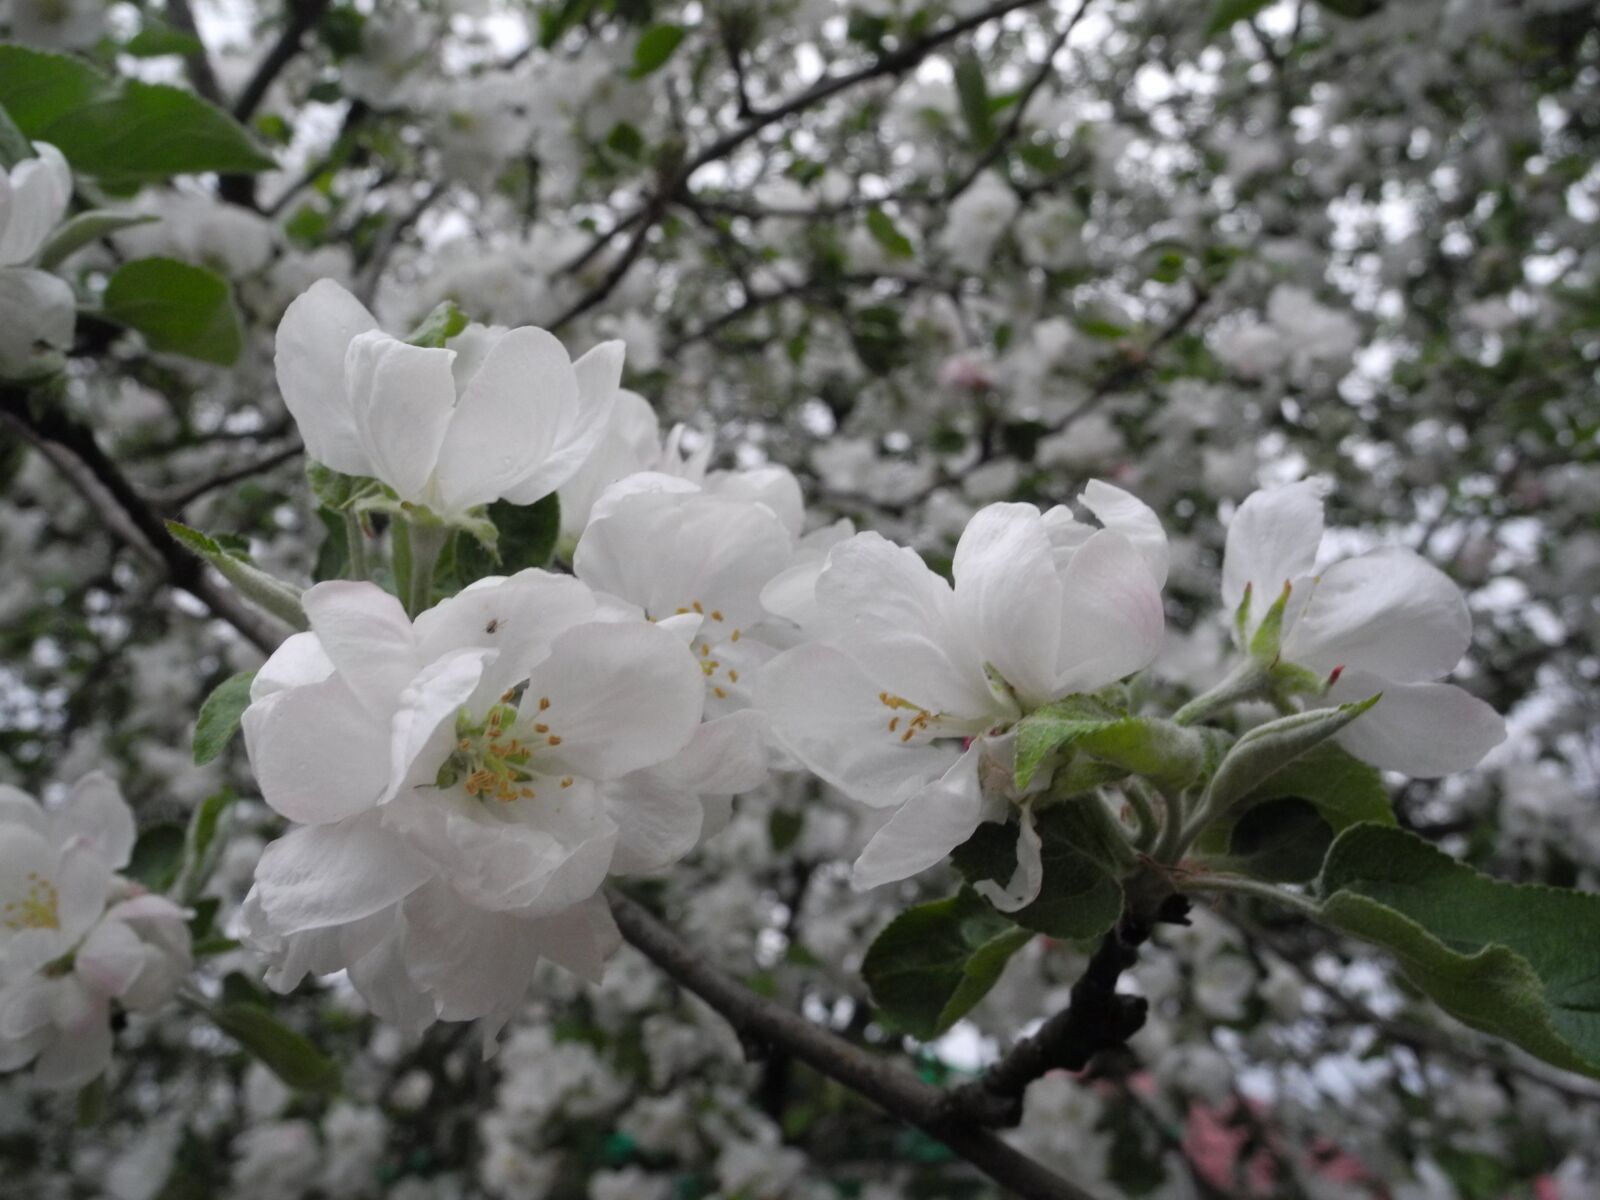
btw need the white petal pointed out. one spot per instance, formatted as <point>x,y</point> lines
<point>658,822</point>
<point>901,622</point>
<point>774,486</point>
<point>1009,596</point>
<point>313,338</point>
<point>317,754</point>
<point>1023,887</point>
<point>380,976</point>
<point>72,1061</point>
<point>321,875</point>
<point>1389,612</point>
<point>37,318</point>
<point>97,813</point>
<point>632,438</point>
<point>1112,619</point>
<point>505,423</point>
<point>925,829</point>
<point>422,733</point>
<point>298,660</point>
<point>582,939</point>
<point>365,633</point>
<point>110,958</point>
<point>40,191</point>
<point>473,963</point>
<point>727,755</point>
<point>1272,539</point>
<point>621,697</point>
<point>1124,513</point>
<point>82,883</point>
<point>582,428</point>
<point>402,397</point>
<point>1423,729</point>
<point>828,714</point>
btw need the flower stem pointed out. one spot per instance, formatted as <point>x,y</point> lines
<point>1138,797</point>
<point>427,540</point>
<point>355,540</point>
<point>1239,885</point>
<point>1171,845</point>
<point>1245,682</point>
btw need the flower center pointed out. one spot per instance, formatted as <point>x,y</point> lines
<point>494,756</point>
<point>39,909</point>
<point>904,726</point>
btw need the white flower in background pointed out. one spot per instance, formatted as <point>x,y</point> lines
<point>1383,622</point>
<point>56,24</point>
<point>907,693</point>
<point>452,782</point>
<point>198,229</point>
<point>498,414</point>
<point>976,219</point>
<point>1050,234</point>
<point>36,307</point>
<point>75,937</point>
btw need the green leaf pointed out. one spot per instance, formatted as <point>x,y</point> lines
<point>655,46</point>
<point>1268,835</point>
<point>219,716</point>
<point>934,962</point>
<point>120,129</point>
<point>888,235</point>
<point>439,326</point>
<point>264,591</point>
<point>1225,12</point>
<point>289,1055</point>
<point>200,843</point>
<point>1169,754</point>
<point>973,93</point>
<point>157,39</point>
<point>14,145</point>
<point>85,228</point>
<point>525,537</point>
<point>1267,749</point>
<point>1514,960</point>
<point>1079,896</point>
<point>179,308</point>
<point>157,856</point>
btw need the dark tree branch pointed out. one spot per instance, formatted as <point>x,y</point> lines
<point>198,64</point>
<point>760,1022</point>
<point>180,498</point>
<point>71,447</point>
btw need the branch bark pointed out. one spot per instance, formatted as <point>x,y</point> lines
<point>760,1022</point>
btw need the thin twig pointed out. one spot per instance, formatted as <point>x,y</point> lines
<point>181,498</point>
<point>761,1022</point>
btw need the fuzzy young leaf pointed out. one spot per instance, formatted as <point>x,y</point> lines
<point>1514,960</point>
<point>1079,897</point>
<point>1267,749</point>
<point>179,308</point>
<point>934,962</point>
<point>219,716</point>
<point>85,228</point>
<point>439,326</point>
<point>266,592</point>
<point>200,845</point>
<point>289,1055</point>
<point>1046,731</point>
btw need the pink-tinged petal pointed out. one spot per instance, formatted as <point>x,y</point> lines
<point>317,754</point>
<point>582,939</point>
<point>1124,513</point>
<point>1272,539</point>
<point>616,698</point>
<point>901,622</point>
<point>471,962</point>
<point>110,959</point>
<point>829,715</point>
<point>322,875</point>
<point>657,821</point>
<point>925,829</point>
<point>1023,887</point>
<point>97,813</point>
<point>313,338</point>
<point>506,420</point>
<point>402,397</point>
<point>83,881</point>
<point>366,635</point>
<point>1389,612</point>
<point>1422,729</point>
<point>1009,597</point>
<point>1112,619</point>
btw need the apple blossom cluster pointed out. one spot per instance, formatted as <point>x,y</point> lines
<point>79,942</point>
<point>463,778</point>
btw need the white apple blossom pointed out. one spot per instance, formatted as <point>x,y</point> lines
<point>497,414</point>
<point>905,696</point>
<point>1383,622</point>
<point>76,938</point>
<point>36,307</point>
<point>452,781</point>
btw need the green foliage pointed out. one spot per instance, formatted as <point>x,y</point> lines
<point>972,91</point>
<point>14,145</point>
<point>439,326</point>
<point>932,963</point>
<point>289,1055</point>
<point>887,234</point>
<point>1169,754</point>
<point>1515,960</point>
<point>1282,829</point>
<point>120,129</point>
<point>655,46</point>
<point>200,845</point>
<point>157,39</point>
<point>178,308</point>
<point>1225,12</point>
<point>219,716</point>
<point>1267,749</point>
<point>266,592</point>
<point>1079,896</point>
<point>85,228</point>
<point>525,536</point>
<point>158,856</point>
